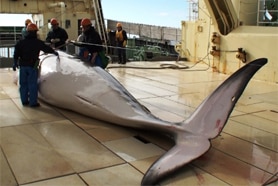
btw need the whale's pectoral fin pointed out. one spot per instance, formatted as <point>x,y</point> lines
<point>187,149</point>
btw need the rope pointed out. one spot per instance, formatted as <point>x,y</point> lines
<point>162,66</point>
<point>77,43</point>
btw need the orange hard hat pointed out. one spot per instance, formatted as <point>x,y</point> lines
<point>119,25</point>
<point>54,21</point>
<point>85,22</point>
<point>27,21</point>
<point>32,27</point>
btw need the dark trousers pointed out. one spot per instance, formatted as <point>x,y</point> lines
<point>122,55</point>
<point>28,85</point>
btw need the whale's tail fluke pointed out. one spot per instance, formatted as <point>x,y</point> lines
<point>187,149</point>
<point>212,114</point>
<point>204,124</point>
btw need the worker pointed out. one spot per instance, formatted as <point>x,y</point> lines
<point>91,41</point>
<point>24,31</point>
<point>26,57</point>
<point>121,40</point>
<point>57,36</point>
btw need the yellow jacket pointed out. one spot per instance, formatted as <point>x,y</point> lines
<point>121,38</point>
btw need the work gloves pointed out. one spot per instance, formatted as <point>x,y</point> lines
<point>15,65</point>
<point>55,40</point>
<point>124,43</point>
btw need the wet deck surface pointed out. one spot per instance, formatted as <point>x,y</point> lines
<point>52,146</point>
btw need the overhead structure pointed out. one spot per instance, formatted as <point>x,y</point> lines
<point>224,15</point>
<point>100,21</point>
<point>69,14</point>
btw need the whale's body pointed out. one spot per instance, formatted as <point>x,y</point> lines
<point>71,84</point>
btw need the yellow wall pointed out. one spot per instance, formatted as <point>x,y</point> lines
<point>257,41</point>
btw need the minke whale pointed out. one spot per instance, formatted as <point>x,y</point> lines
<point>68,83</point>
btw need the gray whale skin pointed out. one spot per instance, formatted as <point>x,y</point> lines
<point>71,84</point>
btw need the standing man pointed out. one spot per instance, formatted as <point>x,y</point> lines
<point>26,56</point>
<point>91,41</point>
<point>121,40</point>
<point>57,36</point>
<point>24,31</point>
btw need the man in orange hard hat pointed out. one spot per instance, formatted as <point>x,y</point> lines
<point>24,31</point>
<point>121,40</point>
<point>57,36</point>
<point>26,57</point>
<point>91,41</point>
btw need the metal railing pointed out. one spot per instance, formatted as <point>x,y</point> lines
<point>267,13</point>
<point>6,55</point>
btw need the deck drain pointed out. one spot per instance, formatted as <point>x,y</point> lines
<point>140,138</point>
<point>274,111</point>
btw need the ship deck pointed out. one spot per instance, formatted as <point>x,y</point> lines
<point>52,146</point>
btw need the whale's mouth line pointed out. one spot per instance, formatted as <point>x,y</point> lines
<point>82,99</point>
<point>87,101</point>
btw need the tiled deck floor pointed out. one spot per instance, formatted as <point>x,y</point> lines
<point>51,146</point>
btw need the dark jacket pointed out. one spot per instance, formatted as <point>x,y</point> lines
<point>93,37</point>
<point>58,33</point>
<point>27,50</point>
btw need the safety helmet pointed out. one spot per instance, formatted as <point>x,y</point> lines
<point>119,25</point>
<point>54,21</point>
<point>27,21</point>
<point>32,27</point>
<point>85,22</point>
